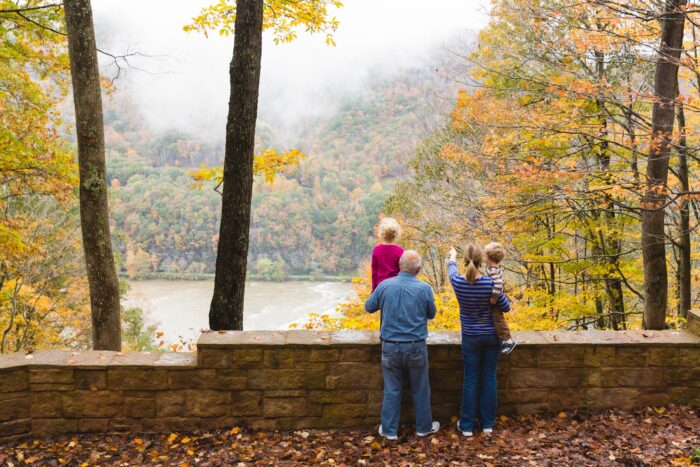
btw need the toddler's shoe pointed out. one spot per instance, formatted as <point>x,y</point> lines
<point>508,345</point>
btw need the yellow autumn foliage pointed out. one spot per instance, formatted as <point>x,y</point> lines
<point>267,164</point>
<point>283,17</point>
<point>352,314</point>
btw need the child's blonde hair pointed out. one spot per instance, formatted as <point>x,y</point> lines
<point>495,252</point>
<point>473,255</point>
<point>389,229</point>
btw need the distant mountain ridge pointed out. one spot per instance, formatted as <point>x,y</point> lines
<point>315,220</point>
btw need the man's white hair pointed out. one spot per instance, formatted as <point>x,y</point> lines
<point>410,261</point>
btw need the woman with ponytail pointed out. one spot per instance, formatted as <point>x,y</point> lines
<point>480,344</point>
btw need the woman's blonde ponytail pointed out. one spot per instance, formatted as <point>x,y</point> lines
<point>473,255</point>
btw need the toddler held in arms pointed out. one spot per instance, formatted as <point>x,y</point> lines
<point>494,255</point>
<point>385,257</point>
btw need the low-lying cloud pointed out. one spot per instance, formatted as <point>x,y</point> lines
<point>183,83</point>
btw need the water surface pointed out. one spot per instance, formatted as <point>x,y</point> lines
<point>180,308</point>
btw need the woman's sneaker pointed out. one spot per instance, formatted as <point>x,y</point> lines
<point>508,345</point>
<point>389,437</point>
<point>464,433</point>
<point>488,431</point>
<point>433,429</point>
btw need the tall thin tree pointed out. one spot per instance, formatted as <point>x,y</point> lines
<point>226,311</point>
<point>94,211</point>
<point>662,117</point>
<point>684,244</point>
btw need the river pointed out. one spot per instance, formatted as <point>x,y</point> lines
<point>180,308</point>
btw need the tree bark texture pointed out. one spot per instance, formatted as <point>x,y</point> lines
<point>663,116</point>
<point>94,212</point>
<point>684,246</point>
<point>226,311</point>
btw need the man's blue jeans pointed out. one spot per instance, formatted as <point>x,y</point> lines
<point>398,359</point>
<point>480,357</point>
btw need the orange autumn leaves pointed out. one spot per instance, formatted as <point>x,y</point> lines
<point>544,152</point>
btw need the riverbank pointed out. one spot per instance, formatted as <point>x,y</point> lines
<point>174,276</point>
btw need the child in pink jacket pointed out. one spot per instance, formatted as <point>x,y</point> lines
<point>385,257</point>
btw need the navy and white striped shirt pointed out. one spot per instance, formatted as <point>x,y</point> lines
<point>474,302</point>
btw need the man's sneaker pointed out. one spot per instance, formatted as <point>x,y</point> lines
<point>488,431</point>
<point>434,429</point>
<point>389,437</point>
<point>508,345</point>
<point>464,433</point>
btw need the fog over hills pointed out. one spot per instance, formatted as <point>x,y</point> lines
<point>182,82</point>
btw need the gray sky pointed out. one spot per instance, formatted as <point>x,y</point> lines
<point>187,85</point>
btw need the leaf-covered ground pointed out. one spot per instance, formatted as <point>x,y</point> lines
<point>654,436</point>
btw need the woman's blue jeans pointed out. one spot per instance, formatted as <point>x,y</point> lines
<point>480,357</point>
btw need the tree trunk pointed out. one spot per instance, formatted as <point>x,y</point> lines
<point>662,117</point>
<point>613,288</point>
<point>94,212</point>
<point>226,311</point>
<point>684,262</point>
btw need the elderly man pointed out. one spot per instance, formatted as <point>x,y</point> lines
<point>407,304</point>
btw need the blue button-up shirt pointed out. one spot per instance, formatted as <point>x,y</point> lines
<point>407,304</point>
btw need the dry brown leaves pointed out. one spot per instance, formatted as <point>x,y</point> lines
<point>654,436</point>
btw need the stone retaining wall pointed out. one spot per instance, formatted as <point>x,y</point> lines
<point>305,379</point>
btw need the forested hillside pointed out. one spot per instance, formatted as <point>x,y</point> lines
<point>317,219</point>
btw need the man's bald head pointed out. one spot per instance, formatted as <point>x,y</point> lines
<point>410,262</point>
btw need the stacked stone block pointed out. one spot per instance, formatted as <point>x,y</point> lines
<point>304,379</point>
